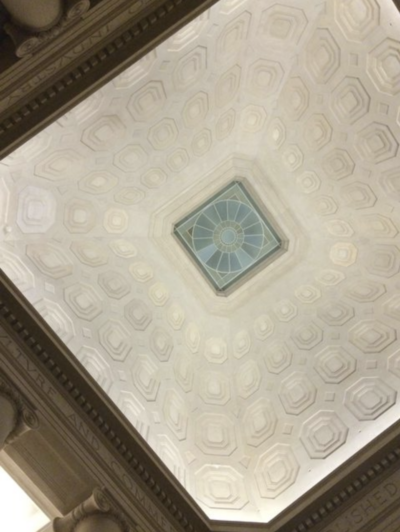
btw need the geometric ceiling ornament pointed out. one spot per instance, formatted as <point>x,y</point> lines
<point>350,101</point>
<point>317,132</point>
<point>338,164</point>
<point>276,470</point>
<point>369,398</point>
<point>282,25</point>
<point>323,433</point>
<point>294,98</point>
<point>357,19</point>
<point>372,336</point>
<point>334,364</point>
<point>384,66</point>
<point>376,143</point>
<point>220,487</point>
<point>322,56</point>
<point>242,395</point>
<point>228,236</point>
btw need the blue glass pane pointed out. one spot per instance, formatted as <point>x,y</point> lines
<point>223,265</point>
<point>213,214</point>
<point>254,240</point>
<point>255,229</point>
<point>214,260</point>
<point>222,209</point>
<point>250,220</point>
<point>207,252</point>
<point>234,263</point>
<point>253,251</point>
<point>245,259</point>
<point>205,222</point>
<point>243,211</point>
<point>201,243</point>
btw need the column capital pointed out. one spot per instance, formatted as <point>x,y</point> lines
<point>33,26</point>
<point>98,507</point>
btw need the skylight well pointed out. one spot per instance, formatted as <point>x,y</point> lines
<point>228,236</point>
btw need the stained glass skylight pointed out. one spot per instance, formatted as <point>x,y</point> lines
<point>228,236</point>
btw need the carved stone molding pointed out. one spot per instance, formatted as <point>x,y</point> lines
<point>359,493</point>
<point>18,416</point>
<point>8,418</point>
<point>100,430</point>
<point>99,512</point>
<point>376,486</point>
<point>37,90</point>
<point>27,43</point>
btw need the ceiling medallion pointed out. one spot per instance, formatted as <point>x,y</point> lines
<point>229,236</point>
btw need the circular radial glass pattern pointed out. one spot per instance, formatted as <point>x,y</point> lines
<point>228,236</point>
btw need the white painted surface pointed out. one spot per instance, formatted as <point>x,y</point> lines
<point>253,398</point>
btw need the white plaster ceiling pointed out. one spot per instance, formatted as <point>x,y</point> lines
<point>253,398</point>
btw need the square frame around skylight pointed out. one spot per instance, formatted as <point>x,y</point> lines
<point>229,236</point>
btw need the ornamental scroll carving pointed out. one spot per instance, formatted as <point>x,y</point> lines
<point>21,415</point>
<point>28,41</point>
<point>97,509</point>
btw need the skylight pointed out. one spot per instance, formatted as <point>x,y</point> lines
<point>228,236</point>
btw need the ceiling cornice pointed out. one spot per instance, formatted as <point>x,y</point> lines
<point>113,35</point>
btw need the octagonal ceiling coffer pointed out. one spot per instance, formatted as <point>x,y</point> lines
<point>230,237</point>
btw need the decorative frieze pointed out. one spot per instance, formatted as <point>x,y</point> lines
<point>34,93</point>
<point>338,513</point>
<point>361,513</point>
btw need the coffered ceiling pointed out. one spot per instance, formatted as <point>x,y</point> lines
<point>252,398</point>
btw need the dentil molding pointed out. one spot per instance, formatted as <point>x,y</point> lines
<point>112,35</point>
